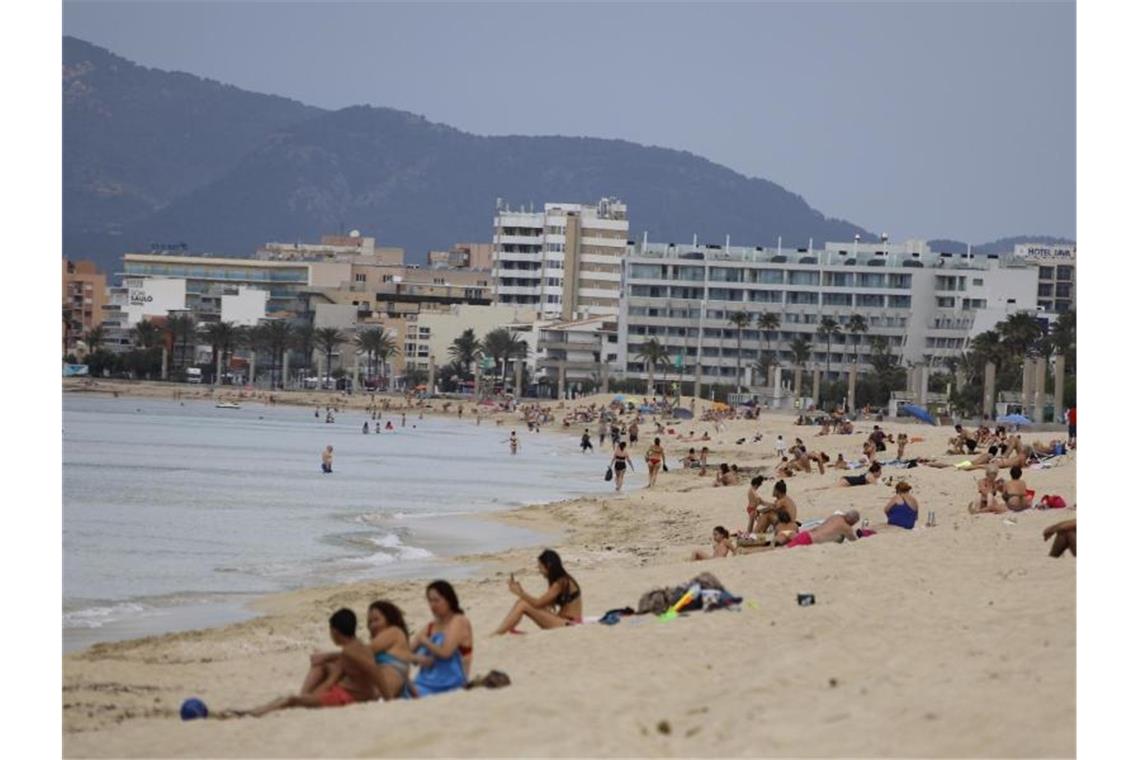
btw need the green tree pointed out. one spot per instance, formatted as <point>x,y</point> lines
<point>652,355</point>
<point>828,329</point>
<point>94,338</point>
<point>182,331</point>
<point>740,320</point>
<point>147,334</point>
<point>303,342</point>
<point>857,326</point>
<point>278,338</point>
<point>221,336</point>
<point>801,351</point>
<point>414,377</point>
<point>327,341</point>
<point>502,345</point>
<point>1020,334</point>
<point>466,349</point>
<point>386,348</point>
<point>367,341</point>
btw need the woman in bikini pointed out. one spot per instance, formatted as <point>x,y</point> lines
<point>391,649</point>
<point>654,456</point>
<point>1016,498</point>
<point>444,648</point>
<point>620,462</point>
<point>559,606</point>
<point>870,477</point>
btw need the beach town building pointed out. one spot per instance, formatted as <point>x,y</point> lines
<point>1056,274</point>
<point>84,296</point>
<point>925,305</point>
<point>563,261</point>
<point>352,246</point>
<point>463,256</point>
<point>576,355</point>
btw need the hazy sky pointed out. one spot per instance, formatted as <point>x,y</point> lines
<point>919,119</point>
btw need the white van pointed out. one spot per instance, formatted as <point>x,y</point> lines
<point>193,375</point>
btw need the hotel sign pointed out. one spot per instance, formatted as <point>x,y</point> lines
<point>1045,252</point>
<point>139,297</point>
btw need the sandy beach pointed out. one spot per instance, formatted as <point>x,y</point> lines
<point>956,640</point>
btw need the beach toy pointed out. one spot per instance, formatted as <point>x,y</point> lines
<point>194,708</point>
<point>683,602</point>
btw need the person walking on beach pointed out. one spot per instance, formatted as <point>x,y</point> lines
<point>326,459</point>
<point>558,607</point>
<point>654,458</point>
<point>619,463</point>
<point>586,445</point>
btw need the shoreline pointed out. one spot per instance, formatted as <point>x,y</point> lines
<point>913,639</point>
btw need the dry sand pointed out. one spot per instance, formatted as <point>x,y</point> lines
<point>957,640</point>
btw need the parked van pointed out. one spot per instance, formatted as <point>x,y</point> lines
<point>193,375</point>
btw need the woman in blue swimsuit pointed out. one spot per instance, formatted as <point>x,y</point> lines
<point>902,509</point>
<point>443,649</point>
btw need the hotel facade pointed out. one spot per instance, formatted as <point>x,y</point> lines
<point>925,305</point>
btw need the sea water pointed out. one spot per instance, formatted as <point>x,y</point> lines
<point>177,513</point>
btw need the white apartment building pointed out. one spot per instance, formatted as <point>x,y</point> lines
<point>925,304</point>
<point>563,261</point>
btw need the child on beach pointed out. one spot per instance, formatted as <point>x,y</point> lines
<point>326,460</point>
<point>781,447</point>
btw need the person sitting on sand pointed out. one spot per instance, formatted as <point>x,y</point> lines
<point>721,546</point>
<point>558,607</point>
<point>1064,535</point>
<point>878,438</point>
<point>963,442</point>
<point>753,506</point>
<point>705,436</point>
<point>836,528</point>
<point>902,509</point>
<point>989,499</point>
<point>784,469</point>
<point>840,463</point>
<point>346,677</point>
<point>870,477</point>
<point>444,648</point>
<point>767,514</point>
<point>726,477</point>
<point>704,459</point>
<point>869,454</point>
<point>1016,498</point>
<point>691,460</point>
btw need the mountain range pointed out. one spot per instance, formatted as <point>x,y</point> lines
<point>152,156</point>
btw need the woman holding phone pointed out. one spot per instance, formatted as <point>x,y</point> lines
<point>560,606</point>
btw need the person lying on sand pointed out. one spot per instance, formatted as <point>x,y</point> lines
<point>351,677</point>
<point>834,529</point>
<point>1064,535</point>
<point>784,469</point>
<point>558,607</point>
<point>870,477</point>
<point>721,546</point>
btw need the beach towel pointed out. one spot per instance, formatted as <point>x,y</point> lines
<point>441,675</point>
<point>659,600</point>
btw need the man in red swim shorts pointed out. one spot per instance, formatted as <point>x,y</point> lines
<point>833,529</point>
<point>336,679</point>
<point>800,539</point>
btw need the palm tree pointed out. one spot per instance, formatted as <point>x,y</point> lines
<point>182,331</point>
<point>466,349</point>
<point>801,351</point>
<point>1020,333</point>
<point>94,338</point>
<point>278,337</point>
<point>498,344</point>
<point>739,320</point>
<point>368,341</point>
<point>828,329</point>
<point>652,355</point>
<point>856,325</point>
<point>303,333</point>
<point>221,337</point>
<point>768,322</point>
<point>327,340</point>
<point>386,348</point>
<point>147,334</point>
<point>256,340</point>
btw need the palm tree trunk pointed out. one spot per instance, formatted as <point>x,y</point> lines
<point>739,372</point>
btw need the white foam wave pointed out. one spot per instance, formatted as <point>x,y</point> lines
<point>100,615</point>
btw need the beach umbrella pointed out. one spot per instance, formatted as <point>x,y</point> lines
<point>1015,419</point>
<point>914,410</point>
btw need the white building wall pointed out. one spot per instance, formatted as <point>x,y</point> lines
<point>150,297</point>
<point>246,308</point>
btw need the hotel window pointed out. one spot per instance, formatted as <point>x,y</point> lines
<point>677,292</point>
<point>1064,273</point>
<point>1045,290</point>
<point>945,302</point>
<point>837,299</point>
<point>647,272</point>
<point>797,297</point>
<point>1064,290</point>
<point>386,278</point>
<point>871,280</point>
<point>978,282</point>
<point>803,278</point>
<point>360,277</point>
<point>767,296</point>
<point>868,300</point>
<point>771,276</point>
<point>1045,273</point>
<point>723,274</point>
<point>898,281</point>
<point>691,274</point>
<point>898,302</point>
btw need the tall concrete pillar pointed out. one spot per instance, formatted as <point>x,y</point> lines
<point>252,367</point>
<point>988,389</point>
<point>923,383</point>
<point>165,357</point>
<point>285,370</point>
<point>431,374</point>
<point>561,380</point>
<point>778,382</point>
<point>797,382</point>
<point>852,373</point>
<point>815,381</point>
<point>772,378</point>
<point>518,378</point>
<point>1027,377</point>
<point>478,378</point>
<point>1039,390</point>
<point>1058,387</point>
<point>355,371</point>
<point>218,368</point>
<point>605,377</point>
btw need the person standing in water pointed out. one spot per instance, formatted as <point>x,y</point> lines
<point>619,463</point>
<point>365,428</point>
<point>403,420</point>
<point>514,442</point>
<point>326,460</point>
<point>586,445</point>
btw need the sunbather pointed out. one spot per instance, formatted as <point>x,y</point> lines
<point>559,606</point>
<point>444,648</point>
<point>767,516</point>
<point>726,477</point>
<point>870,477</point>
<point>835,528</point>
<point>902,509</point>
<point>1016,498</point>
<point>721,546</point>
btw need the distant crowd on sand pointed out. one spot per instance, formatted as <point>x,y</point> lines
<point>441,652</point>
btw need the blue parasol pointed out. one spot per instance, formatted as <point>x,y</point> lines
<point>914,410</point>
<point>1015,419</point>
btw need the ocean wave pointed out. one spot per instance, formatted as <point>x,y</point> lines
<point>100,615</point>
